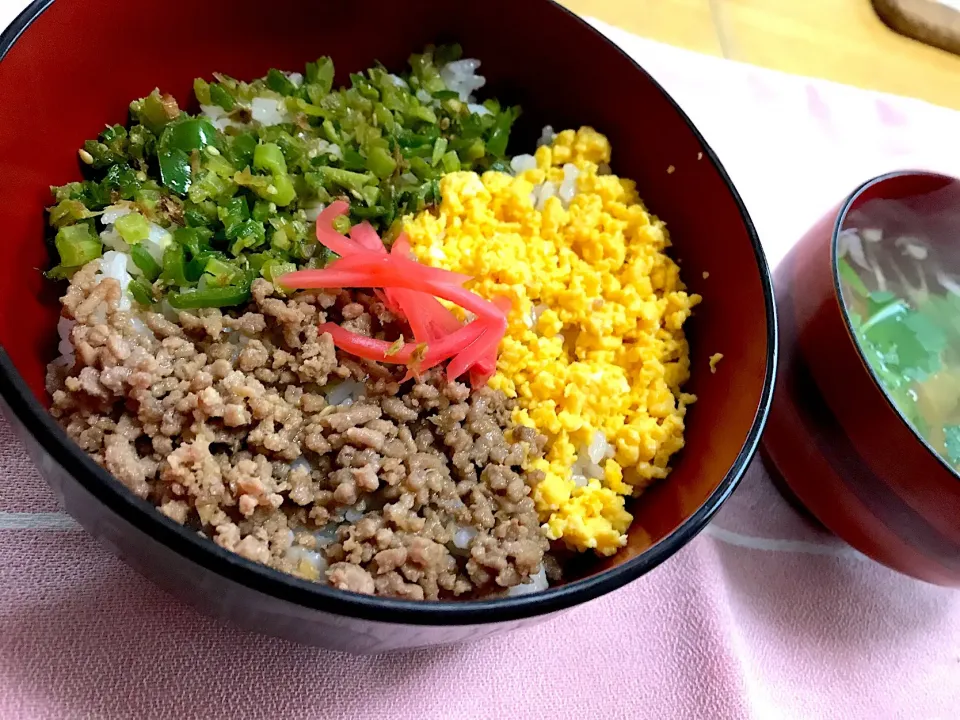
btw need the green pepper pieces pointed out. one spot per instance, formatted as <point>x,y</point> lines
<point>174,266</point>
<point>235,199</point>
<point>280,190</point>
<point>77,245</point>
<point>210,297</point>
<point>145,262</point>
<point>268,156</point>
<point>178,140</point>
<point>133,228</point>
<point>187,135</point>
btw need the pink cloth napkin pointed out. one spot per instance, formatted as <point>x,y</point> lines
<point>762,616</point>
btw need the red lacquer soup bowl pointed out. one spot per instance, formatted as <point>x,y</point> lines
<point>864,428</point>
<point>69,67</point>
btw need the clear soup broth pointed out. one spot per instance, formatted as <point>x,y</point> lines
<point>899,267</point>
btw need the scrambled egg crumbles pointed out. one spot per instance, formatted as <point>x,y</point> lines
<point>594,352</point>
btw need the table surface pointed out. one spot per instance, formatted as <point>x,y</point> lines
<point>840,40</point>
<point>761,617</point>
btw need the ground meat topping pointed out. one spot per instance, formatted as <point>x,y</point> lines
<point>250,428</point>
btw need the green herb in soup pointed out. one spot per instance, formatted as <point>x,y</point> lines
<point>200,205</point>
<point>905,312</point>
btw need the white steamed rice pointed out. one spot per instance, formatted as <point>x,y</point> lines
<point>463,537</point>
<point>264,110</point>
<point>478,109</point>
<point>112,213</point>
<point>346,392</point>
<point>461,77</point>
<point>155,244</point>
<point>355,512</point>
<point>298,554</point>
<point>113,264</point>
<point>547,136</point>
<point>568,188</point>
<point>322,147</point>
<point>590,459</point>
<point>548,189</point>
<point>65,348</point>
<point>312,211</point>
<point>533,317</point>
<point>522,163</point>
<point>219,117</point>
<point>538,583</point>
<point>269,111</point>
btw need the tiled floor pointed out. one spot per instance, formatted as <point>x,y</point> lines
<point>841,40</point>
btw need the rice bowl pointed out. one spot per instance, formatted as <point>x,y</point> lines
<point>192,370</point>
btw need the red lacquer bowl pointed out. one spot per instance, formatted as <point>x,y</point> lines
<point>69,66</point>
<point>835,437</point>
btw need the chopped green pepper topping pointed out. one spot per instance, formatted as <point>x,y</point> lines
<point>221,271</point>
<point>133,228</point>
<point>145,262</point>
<point>141,292</point>
<point>450,161</point>
<point>380,162</point>
<point>175,170</point>
<point>269,157</point>
<point>233,186</point>
<point>155,110</point>
<point>210,297</point>
<point>320,75</point>
<point>77,245</point>
<point>278,82</point>
<point>67,212</point>
<point>219,96</point>
<point>174,266</point>
<point>187,135</point>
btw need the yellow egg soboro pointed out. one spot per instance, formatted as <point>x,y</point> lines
<point>594,352</point>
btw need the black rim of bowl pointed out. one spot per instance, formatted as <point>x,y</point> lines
<point>848,323</point>
<point>143,515</point>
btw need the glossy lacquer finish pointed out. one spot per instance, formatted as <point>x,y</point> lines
<point>834,437</point>
<point>78,65</point>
